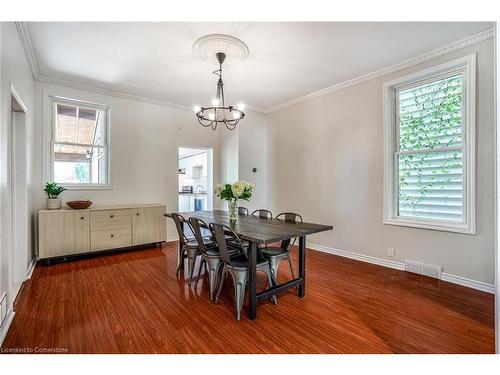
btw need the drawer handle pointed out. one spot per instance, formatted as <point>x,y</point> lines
<point>81,218</point>
<point>112,235</point>
<point>137,214</point>
<point>111,216</point>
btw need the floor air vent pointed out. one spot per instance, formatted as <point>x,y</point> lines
<point>423,269</point>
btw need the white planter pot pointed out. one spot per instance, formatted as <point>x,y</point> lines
<point>54,203</point>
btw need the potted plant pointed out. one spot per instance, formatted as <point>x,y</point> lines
<point>231,194</point>
<point>53,191</point>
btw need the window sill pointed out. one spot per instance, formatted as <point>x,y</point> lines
<point>86,187</point>
<point>432,225</point>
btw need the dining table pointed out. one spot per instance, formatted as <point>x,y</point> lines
<point>258,231</point>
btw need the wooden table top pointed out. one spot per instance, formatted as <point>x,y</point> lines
<point>257,229</point>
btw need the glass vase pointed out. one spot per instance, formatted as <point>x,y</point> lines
<point>233,210</point>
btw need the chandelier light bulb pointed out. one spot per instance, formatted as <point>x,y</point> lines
<point>197,108</point>
<point>236,115</point>
<point>215,102</point>
<point>241,106</point>
<point>211,116</point>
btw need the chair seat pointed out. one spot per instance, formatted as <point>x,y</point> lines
<point>213,251</point>
<point>273,251</point>
<point>191,242</point>
<point>241,261</point>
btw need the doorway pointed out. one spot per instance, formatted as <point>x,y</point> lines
<point>195,179</point>
<point>20,250</point>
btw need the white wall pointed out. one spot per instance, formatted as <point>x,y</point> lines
<point>326,162</point>
<point>253,154</point>
<point>228,159</point>
<point>497,244</point>
<point>14,70</point>
<point>241,150</point>
<point>144,150</point>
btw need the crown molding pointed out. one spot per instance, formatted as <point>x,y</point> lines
<point>108,92</point>
<point>121,94</point>
<point>24,34</point>
<point>454,46</point>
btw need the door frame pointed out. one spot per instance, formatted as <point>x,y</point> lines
<point>210,172</point>
<point>18,191</point>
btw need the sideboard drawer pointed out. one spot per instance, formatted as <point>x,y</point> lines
<point>112,219</point>
<point>110,239</point>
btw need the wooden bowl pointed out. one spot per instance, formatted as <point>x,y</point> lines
<point>79,205</point>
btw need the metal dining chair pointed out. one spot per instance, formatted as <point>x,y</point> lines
<point>188,247</point>
<point>263,214</point>
<point>243,211</point>
<point>237,266</point>
<point>276,255</point>
<point>210,255</point>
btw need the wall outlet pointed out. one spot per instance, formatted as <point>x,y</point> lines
<point>390,252</point>
<point>3,308</point>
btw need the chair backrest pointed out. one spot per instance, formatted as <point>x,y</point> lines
<point>242,211</point>
<point>289,217</point>
<point>196,225</point>
<point>263,214</point>
<point>220,237</point>
<point>180,221</point>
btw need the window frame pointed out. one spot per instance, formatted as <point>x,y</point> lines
<point>466,65</point>
<point>51,100</point>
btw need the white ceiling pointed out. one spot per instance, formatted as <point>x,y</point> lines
<point>286,61</point>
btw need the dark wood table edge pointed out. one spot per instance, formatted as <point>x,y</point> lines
<point>319,228</point>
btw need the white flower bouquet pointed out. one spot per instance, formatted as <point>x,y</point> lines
<point>231,193</point>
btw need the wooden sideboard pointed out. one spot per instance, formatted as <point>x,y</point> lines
<point>69,232</point>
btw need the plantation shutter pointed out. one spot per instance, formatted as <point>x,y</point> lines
<point>430,149</point>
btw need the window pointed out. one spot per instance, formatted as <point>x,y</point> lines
<point>429,168</point>
<point>80,143</point>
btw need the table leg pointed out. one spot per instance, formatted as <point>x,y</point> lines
<point>179,251</point>
<point>252,278</point>
<point>302,265</point>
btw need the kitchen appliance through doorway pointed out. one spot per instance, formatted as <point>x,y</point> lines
<point>195,179</point>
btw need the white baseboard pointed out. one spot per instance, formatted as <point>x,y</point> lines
<point>6,325</point>
<point>479,285</point>
<point>364,258</point>
<point>31,268</point>
<point>172,238</point>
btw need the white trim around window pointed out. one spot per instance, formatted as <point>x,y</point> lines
<point>49,99</point>
<point>466,66</point>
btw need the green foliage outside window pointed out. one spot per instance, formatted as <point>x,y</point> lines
<point>430,118</point>
<point>82,172</point>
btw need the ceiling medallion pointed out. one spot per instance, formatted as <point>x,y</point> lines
<point>207,46</point>
<point>219,112</point>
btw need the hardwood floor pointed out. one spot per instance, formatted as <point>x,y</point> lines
<point>132,302</point>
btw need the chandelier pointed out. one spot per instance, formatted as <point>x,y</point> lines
<point>219,112</point>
